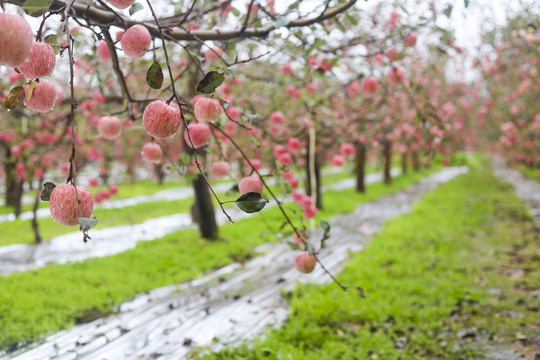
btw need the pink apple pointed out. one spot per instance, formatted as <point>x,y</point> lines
<point>298,197</point>
<point>310,212</point>
<point>40,62</point>
<point>410,39</point>
<point>294,144</point>
<point>15,39</point>
<point>113,189</point>
<point>396,76</point>
<point>103,50</point>
<point>370,85</point>
<point>136,41</point>
<point>234,112</point>
<point>152,152</point>
<point>64,206</point>
<point>92,182</point>
<point>43,97</point>
<point>220,169</point>
<point>286,69</point>
<point>277,117</point>
<point>200,134</point>
<point>304,262</point>
<point>346,149</point>
<point>285,159</point>
<point>119,35</point>
<point>250,184</point>
<point>109,127</point>
<point>14,76</point>
<point>338,160</point>
<point>161,120</point>
<point>213,55</point>
<point>121,4</point>
<point>207,109</point>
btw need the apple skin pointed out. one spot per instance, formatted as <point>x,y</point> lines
<point>64,207</point>
<point>136,41</point>
<point>152,152</point>
<point>40,62</point>
<point>121,4</point>
<point>161,120</point>
<point>305,263</point>
<point>200,134</point>
<point>16,39</point>
<point>43,97</point>
<point>250,184</point>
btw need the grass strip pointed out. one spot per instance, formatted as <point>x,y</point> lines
<point>38,302</point>
<point>459,273</point>
<point>20,231</point>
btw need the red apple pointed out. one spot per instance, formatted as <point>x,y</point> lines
<point>250,184</point>
<point>161,120</point>
<point>109,127</point>
<point>43,97</point>
<point>64,207</point>
<point>136,41</point>
<point>152,152</point>
<point>200,134</point>
<point>40,62</point>
<point>304,262</point>
<point>207,109</point>
<point>15,39</point>
<point>220,169</point>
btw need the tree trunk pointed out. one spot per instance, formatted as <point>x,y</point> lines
<point>387,157</point>
<point>14,186</point>
<point>317,171</point>
<point>160,174</point>
<point>360,161</point>
<point>35,225</point>
<point>404,165</point>
<point>415,161</point>
<point>203,209</point>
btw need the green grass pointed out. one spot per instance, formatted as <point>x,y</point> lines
<point>426,277</point>
<point>125,190</point>
<point>19,231</point>
<point>38,302</point>
<point>531,173</point>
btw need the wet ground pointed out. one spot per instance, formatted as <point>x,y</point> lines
<point>109,241</point>
<point>230,305</point>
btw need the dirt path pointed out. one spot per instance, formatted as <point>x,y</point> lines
<point>227,306</point>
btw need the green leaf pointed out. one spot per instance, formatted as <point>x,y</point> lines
<point>326,227</point>
<point>134,8</point>
<point>36,8</point>
<point>14,98</point>
<point>154,76</point>
<point>48,187</point>
<point>31,87</point>
<point>280,22</point>
<point>235,12</point>
<point>87,223</point>
<point>251,202</point>
<point>210,82</point>
<point>52,40</point>
<point>448,10</point>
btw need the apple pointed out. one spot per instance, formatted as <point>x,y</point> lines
<point>64,206</point>
<point>152,152</point>
<point>43,97</point>
<point>40,62</point>
<point>200,134</point>
<point>207,109</point>
<point>304,262</point>
<point>136,41</point>
<point>161,120</point>
<point>250,184</point>
<point>16,39</point>
<point>109,127</point>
